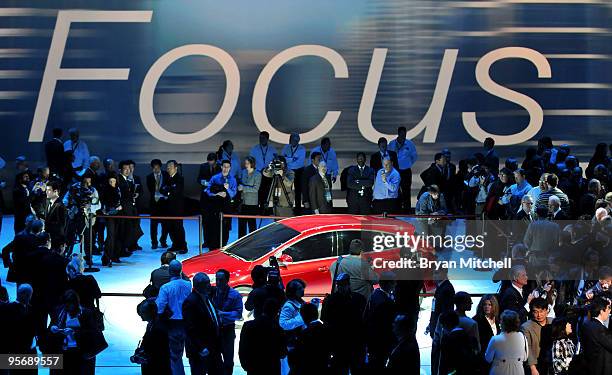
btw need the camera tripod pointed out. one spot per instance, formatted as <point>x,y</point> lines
<point>277,180</point>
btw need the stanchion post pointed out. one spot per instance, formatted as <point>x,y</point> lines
<point>200,233</point>
<point>221,228</point>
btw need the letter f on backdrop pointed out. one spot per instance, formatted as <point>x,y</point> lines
<point>54,72</point>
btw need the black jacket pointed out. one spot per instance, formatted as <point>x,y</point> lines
<point>379,316</point>
<point>262,345</point>
<point>512,300</point>
<point>19,328</point>
<point>356,180</point>
<point>316,193</point>
<point>484,331</point>
<point>201,328</point>
<point>155,344</point>
<point>313,350</point>
<point>151,185</point>
<point>376,160</point>
<point>127,191</point>
<point>444,297</point>
<point>597,347</point>
<point>55,221</point>
<point>309,171</point>
<point>175,190</point>
<point>405,359</point>
<point>56,158</point>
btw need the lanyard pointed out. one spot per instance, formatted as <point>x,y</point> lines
<point>294,150</point>
<point>264,154</point>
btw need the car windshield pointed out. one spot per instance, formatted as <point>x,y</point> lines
<point>259,243</point>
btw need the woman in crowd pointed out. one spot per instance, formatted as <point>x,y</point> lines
<point>250,181</point>
<point>545,288</point>
<point>290,319</point>
<point>563,349</point>
<point>85,286</point>
<point>111,205</point>
<point>487,317</point>
<point>508,350</point>
<point>78,336</point>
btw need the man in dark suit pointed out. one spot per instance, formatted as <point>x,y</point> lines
<point>203,342</point>
<point>377,158</point>
<point>405,359</point>
<point>127,189</point>
<point>19,327</point>
<point>491,158</point>
<point>157,202</point>
<point>207,171</point>
<point>174,190</point>
<point>516,298</point>
<point>138,189</point>
<point>379,315</point>
<point>262,342</point>
<point>312,350</point>
<point>435,175</point>
<point>320,191</point>
<point>54,153</point>
<point>359,182</point>
<point>55,215</point>
<point>443,303</point>
<point>309,171</point>
<point>21,201</point>
<point>554,208</point>
<point>596,339</point>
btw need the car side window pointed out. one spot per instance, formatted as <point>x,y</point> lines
<point>345,238</point>
<point>314,247</point>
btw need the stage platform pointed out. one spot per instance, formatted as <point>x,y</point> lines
<point>124,328</point>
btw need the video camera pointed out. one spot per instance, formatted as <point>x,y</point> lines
<point>80,195</point>
<point>276,164</point>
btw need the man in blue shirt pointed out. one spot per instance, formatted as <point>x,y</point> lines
<point>328,155</point>
<point>386,189</point>
<point>228,303</point>
<point>263,154</point>
<point>170,301</point>
<point>221,191</point>
<point>295,154</point>
<point>517,191</point>
<point>406,157</point>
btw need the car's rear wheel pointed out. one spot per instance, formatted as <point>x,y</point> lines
<point>246,315</point>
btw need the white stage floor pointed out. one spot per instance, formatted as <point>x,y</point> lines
<point>124,328</point>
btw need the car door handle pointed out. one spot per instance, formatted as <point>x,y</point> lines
<point>323,269</point>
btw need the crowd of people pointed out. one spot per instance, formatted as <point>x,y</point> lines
<point>550,316</point>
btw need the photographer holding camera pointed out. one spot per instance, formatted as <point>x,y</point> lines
<point>282,195</point>
<point>82,201</point>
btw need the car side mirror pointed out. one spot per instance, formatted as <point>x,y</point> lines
<point>284,259</point>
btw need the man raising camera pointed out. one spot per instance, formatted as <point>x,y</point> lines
<point>282,186</point>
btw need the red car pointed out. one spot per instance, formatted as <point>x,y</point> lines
<point>305,246</point>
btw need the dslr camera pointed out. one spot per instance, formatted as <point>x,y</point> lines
<point>276,164</point>
<point>139,357</point>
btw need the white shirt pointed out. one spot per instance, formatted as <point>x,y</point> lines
<point>263,155</point>
<point>295,156</point>
<point>492,324</point>
<point>520,290</point>
<point>80,152</point>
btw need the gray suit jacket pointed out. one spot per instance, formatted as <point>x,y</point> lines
<point>542,236</point>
